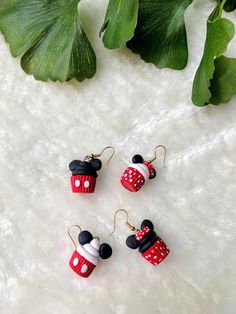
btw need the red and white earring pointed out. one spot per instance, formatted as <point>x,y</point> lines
<point>84,173</point>
<point>87,252</point>
<point>140,171</point>
<point>145,239</point>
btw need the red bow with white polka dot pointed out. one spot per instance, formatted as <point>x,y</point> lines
<point>141,233</point>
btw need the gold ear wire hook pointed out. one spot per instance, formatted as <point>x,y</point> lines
<point>155,154</point>
<point>77,226</point>
<point>88,157</point>
<point>132,228</point>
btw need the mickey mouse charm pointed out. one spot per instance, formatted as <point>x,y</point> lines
<point>152,248</point>
<point>139,172</point>
<point>84,173</point>
<point>86,255</point>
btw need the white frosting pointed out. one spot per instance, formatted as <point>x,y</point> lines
<point>90,251</point>
<point>143,169</point>
<point>88,247</point>
<point>95,243</point>
<point>82,251</point>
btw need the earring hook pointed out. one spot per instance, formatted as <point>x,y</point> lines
<point>77,226</point>
<point>131,227</point>
<point>155,154</point>
<point>88,157</point>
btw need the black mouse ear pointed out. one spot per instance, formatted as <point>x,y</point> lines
<point>132,243</point>
<point>74,164</point>
<point>96,164</point>
<point>85,237</point>
<point>147,223</point>
<point>105,251</point>
<point>137,159</point>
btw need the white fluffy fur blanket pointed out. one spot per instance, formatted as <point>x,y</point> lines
<point>132,106</point>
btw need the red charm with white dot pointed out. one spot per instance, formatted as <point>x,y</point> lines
<point>156,253</point>
<point>83,184</point>
<point>137,173</point>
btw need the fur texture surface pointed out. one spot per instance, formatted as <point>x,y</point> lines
<point>132,106</point>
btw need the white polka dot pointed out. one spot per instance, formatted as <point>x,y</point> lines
<point>152,251</point>
<point>77,183</point>
<point>162,254</point>
<point>86,184</point>
<point>130,171</point>
<point>138,181</point>
<point>160,248</point>
<point>126,175</point>
<point>139,176</point>
<point>155,257</point>
<point>155,264</point>
<point>126,179</point>
<point>84,268</point>
<point>135,184</point>
<point>76,261</point>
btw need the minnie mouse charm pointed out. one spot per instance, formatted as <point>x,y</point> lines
<point>84,173</point>
<point>139,172</point>
<point>86,255</point>
<point>152,248</point>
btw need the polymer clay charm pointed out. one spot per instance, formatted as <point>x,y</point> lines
<point>87,253</point>
<point>84,173</point>
<point>150,245</point>
<point>139,172</point>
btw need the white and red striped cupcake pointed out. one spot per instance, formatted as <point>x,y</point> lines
<point>137,173</point>
<point>86,256</point>
<point>152,248</point>
<point>84,175</point>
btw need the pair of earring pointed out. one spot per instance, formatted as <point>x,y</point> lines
<point>84,173</point>
<point>88,250</point>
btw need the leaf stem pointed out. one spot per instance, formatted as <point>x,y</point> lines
<point>217,12</point>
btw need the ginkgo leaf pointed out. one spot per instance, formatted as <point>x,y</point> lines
<point>223,84</point>
<point>49,37</point>
<point>230,5</point>
<point>120,22</point>
<point>219,33</point>
<point>160,36</point>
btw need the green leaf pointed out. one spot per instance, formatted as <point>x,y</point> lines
<point>230,5</point>
<point>120,22</point>
<point>49,35</point>
<point>160,36</point>
<point>223,84</point>
<point>219,33</point>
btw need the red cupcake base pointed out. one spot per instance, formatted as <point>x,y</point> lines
<point>83,184</point>
<point>156,253</point>
<point>80,265</point>
<point>132,179</point>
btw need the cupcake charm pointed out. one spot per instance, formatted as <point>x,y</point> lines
<point>84,173</point>
<point>139,172</point>
<point>87,253</point>
<point>150,245</point>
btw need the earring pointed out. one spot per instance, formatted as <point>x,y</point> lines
<point>150,245</point>
<point>84,173</point>
<point>140,171</point>
<point>86,254</point>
